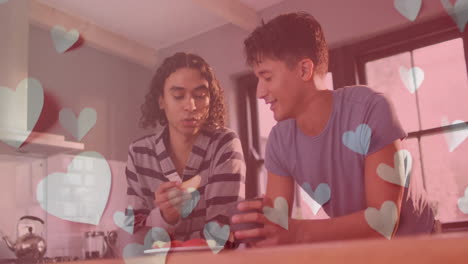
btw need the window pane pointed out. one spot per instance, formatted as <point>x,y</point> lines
<point>446,174</point>
<point>444,91</point>
<point>412,146</point>
<point>383,75</point>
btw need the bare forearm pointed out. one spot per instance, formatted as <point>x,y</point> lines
<point>353,226</point>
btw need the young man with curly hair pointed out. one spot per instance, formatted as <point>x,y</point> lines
<point>185,106</point>
<point>342,139</point>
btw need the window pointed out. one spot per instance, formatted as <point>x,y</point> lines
<point>423,70</point>
<point>440,81</point>
<point>425,77</point>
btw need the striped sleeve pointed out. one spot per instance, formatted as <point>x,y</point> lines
<point>226,185</point>
<point>134,196</point>
<point>140,197</point>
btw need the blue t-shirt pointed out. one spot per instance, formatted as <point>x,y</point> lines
<point>362,122</point>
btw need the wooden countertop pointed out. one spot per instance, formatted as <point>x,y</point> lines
<point>443,248</point>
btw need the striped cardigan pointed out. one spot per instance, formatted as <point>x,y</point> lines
<point>216,156</point>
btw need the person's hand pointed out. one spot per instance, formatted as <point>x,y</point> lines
<point>139,219</point>
<point>270,234</point>
<point>169,198</point>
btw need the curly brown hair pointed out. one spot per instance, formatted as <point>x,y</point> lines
<point>151,112</point>
<point>289,38</point>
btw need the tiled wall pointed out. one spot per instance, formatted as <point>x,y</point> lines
<point>80,78</point>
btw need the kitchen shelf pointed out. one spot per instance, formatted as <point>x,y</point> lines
<point>38,144</point>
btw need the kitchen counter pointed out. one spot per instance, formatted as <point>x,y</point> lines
<point>444,248</point>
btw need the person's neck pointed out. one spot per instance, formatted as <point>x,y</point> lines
<point>316,109</point>
<point>181,146</point>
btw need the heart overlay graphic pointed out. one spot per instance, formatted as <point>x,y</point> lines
<point>156,237</point>
<point>321,195</point>
<point>81,194</point>
<point>400,174</point>
<point>359,140</point>
<point>78,128</point>
<point>384,220</point>
<point>19,111</point>
<point>463,202</point>
<point>125,222</point>
<point>190,198</point>
<point>408,8</point>
<point>455,138</point>
<point>278,214</point>
<point>62,39</point>
<point>412,78</point>
<point>215,233</point>
<point>458,12</point>
<point>190,204</point>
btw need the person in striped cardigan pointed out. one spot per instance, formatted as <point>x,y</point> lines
<point>185,107</point>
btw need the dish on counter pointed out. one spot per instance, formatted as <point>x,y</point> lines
<point>179,246</point>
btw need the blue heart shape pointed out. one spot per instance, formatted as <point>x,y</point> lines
<point>322,193</point>
<point>63,39</point>
<point>279,213</point>
<point>190,204</point>
<point>458,12</point>
<point>81,194</point>
<point>133,250</point>
<point>125,222</point>
<point>12,106</point>
<point>358,141</point>
<point>213,231</point>
<point>153,235</point>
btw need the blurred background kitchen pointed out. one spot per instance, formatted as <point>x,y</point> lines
<point>122,41</point>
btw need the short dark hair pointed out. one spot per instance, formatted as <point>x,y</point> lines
<point>290,38</point>
<point>151,112</point>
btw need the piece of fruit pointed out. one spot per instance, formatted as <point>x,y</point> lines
<point>196,242</point>
<point>191,184</point>
<point>160,244</point>
<point>176,243</point>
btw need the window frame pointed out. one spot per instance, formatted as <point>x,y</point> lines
<point>347,64</point>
